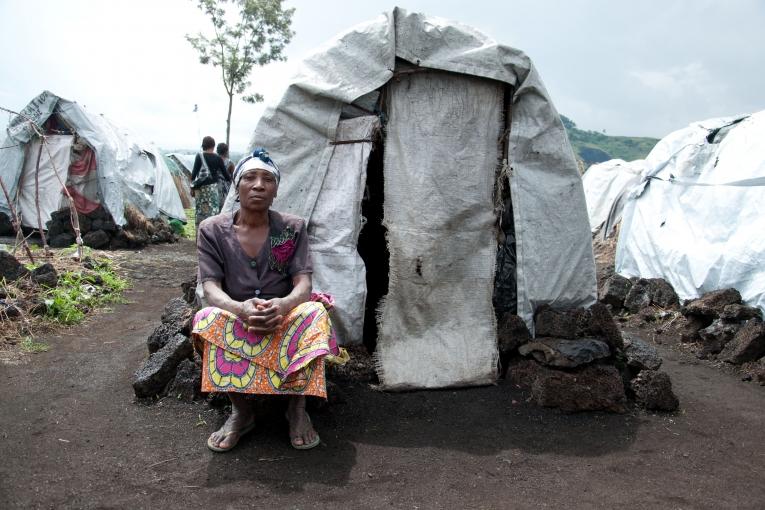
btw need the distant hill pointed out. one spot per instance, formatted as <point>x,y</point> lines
<point>593,147</point>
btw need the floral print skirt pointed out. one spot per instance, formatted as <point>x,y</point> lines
<point>207,202</point>
<point>288,361</point>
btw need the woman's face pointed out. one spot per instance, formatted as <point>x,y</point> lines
<point>257,189</point>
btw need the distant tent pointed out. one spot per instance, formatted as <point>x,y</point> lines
<point>437,217</point>
<point>182,179</point>
<point>603,185</point>
<point>184,161</point>
<point>695,215</point>
<point>99,164</point>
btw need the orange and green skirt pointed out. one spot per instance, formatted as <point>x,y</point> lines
<point>289,361</point>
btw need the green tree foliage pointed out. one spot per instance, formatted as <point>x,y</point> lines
<point>247,33</point>
<point>593,147</point>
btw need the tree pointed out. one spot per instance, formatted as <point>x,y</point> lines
<point>247,33</point>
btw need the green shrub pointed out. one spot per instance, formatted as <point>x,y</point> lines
<point>80,291</point>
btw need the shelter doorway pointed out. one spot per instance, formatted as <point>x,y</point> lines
<point>372,246</point>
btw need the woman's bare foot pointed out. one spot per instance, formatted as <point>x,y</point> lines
<point>238,424</point>
<point>302,434</point>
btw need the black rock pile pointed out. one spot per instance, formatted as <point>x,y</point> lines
<point>718,326</point>
<point>100,232</point>
<point>172,368</point>
<point>28,285</point>
<point>579,361</point>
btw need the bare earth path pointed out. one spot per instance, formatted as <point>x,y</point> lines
<point>71,436</point>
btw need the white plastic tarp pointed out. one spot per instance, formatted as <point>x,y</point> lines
<point>46,191</point>
<point>123,172</point>
<point>604,183</point>
<point>554,252</point>
<point>335,226</point>
<point>697,222</point>
<point>185,161</point>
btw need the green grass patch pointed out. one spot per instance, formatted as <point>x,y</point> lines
<point>190,228</point>
<point>80,291</point>
<point>29,345</point>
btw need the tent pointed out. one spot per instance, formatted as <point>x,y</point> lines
<point>182,178</point>
<point>98,163</point>
<point>695,215</point>
<point>604,183</point>
<point>427,158</point>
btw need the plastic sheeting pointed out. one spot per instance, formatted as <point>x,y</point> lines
<point>604,183</point>
<point>127,171</point>
<point>335,226</point>
<point>554,252</point>
<point>697,217</point>
<point>437,325</point>
<point>50,197</point>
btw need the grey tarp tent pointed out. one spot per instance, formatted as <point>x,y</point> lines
<point>125,170</point>
<point>442,164</point>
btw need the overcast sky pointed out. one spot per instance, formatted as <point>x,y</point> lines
<point>630,68</point>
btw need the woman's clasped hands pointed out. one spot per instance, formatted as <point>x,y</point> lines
<point>262,316</point>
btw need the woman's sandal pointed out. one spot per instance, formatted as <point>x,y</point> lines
<point>241,433</point>
<point>304,446</point>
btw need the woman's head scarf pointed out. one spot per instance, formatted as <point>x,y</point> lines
<point>258,160</point>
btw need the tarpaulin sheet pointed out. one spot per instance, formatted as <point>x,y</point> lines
<point>123,172</point>
<point>697,217</point>
<point>437,325</point>
<point>335,226</point>
<point>48,185</point>
<point>604,182</point>
<point>554,251</point>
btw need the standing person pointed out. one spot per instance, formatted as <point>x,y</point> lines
<point>205,178</point>
<point>261,334</point>
<point>222,150</point>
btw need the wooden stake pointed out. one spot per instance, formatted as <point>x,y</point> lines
<point>16,223</point>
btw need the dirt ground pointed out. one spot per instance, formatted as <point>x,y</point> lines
<point>72,436</point>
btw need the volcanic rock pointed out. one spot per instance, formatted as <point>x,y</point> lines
<point>187,383</point>
<point>96,239</point>
<point>10,268</point>
<point>161,366</point>
<point>715,337</point>
<point>712,304</point>
<point>615,291</point>
<point>747,345</point>
<point>511,333</point>
<point>653,390</point>
<point>641,355</point>
<point>740,313</point>
<point>555,323</point>
<point>45,275</point>
<point>593,388</point>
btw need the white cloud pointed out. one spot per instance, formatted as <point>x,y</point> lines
<point>679,81</point>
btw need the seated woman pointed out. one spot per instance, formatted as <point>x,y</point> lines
<point>261,334</point>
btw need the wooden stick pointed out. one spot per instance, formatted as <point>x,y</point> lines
<point>37,199</point>
<point>73,218</point>
<point>16,223</point>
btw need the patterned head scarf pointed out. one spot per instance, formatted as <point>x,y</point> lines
<point>258,160</point>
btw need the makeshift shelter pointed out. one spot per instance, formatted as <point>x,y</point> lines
<point>99,164</point>
<point>182,179</point>
<point>695,216</point>
<point>603,185</point>
<point>427,203</point>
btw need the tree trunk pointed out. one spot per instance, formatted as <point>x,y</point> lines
<point>228,119</point>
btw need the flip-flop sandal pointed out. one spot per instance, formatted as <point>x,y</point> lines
<point>304,446</point>
<point>242,432</point>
